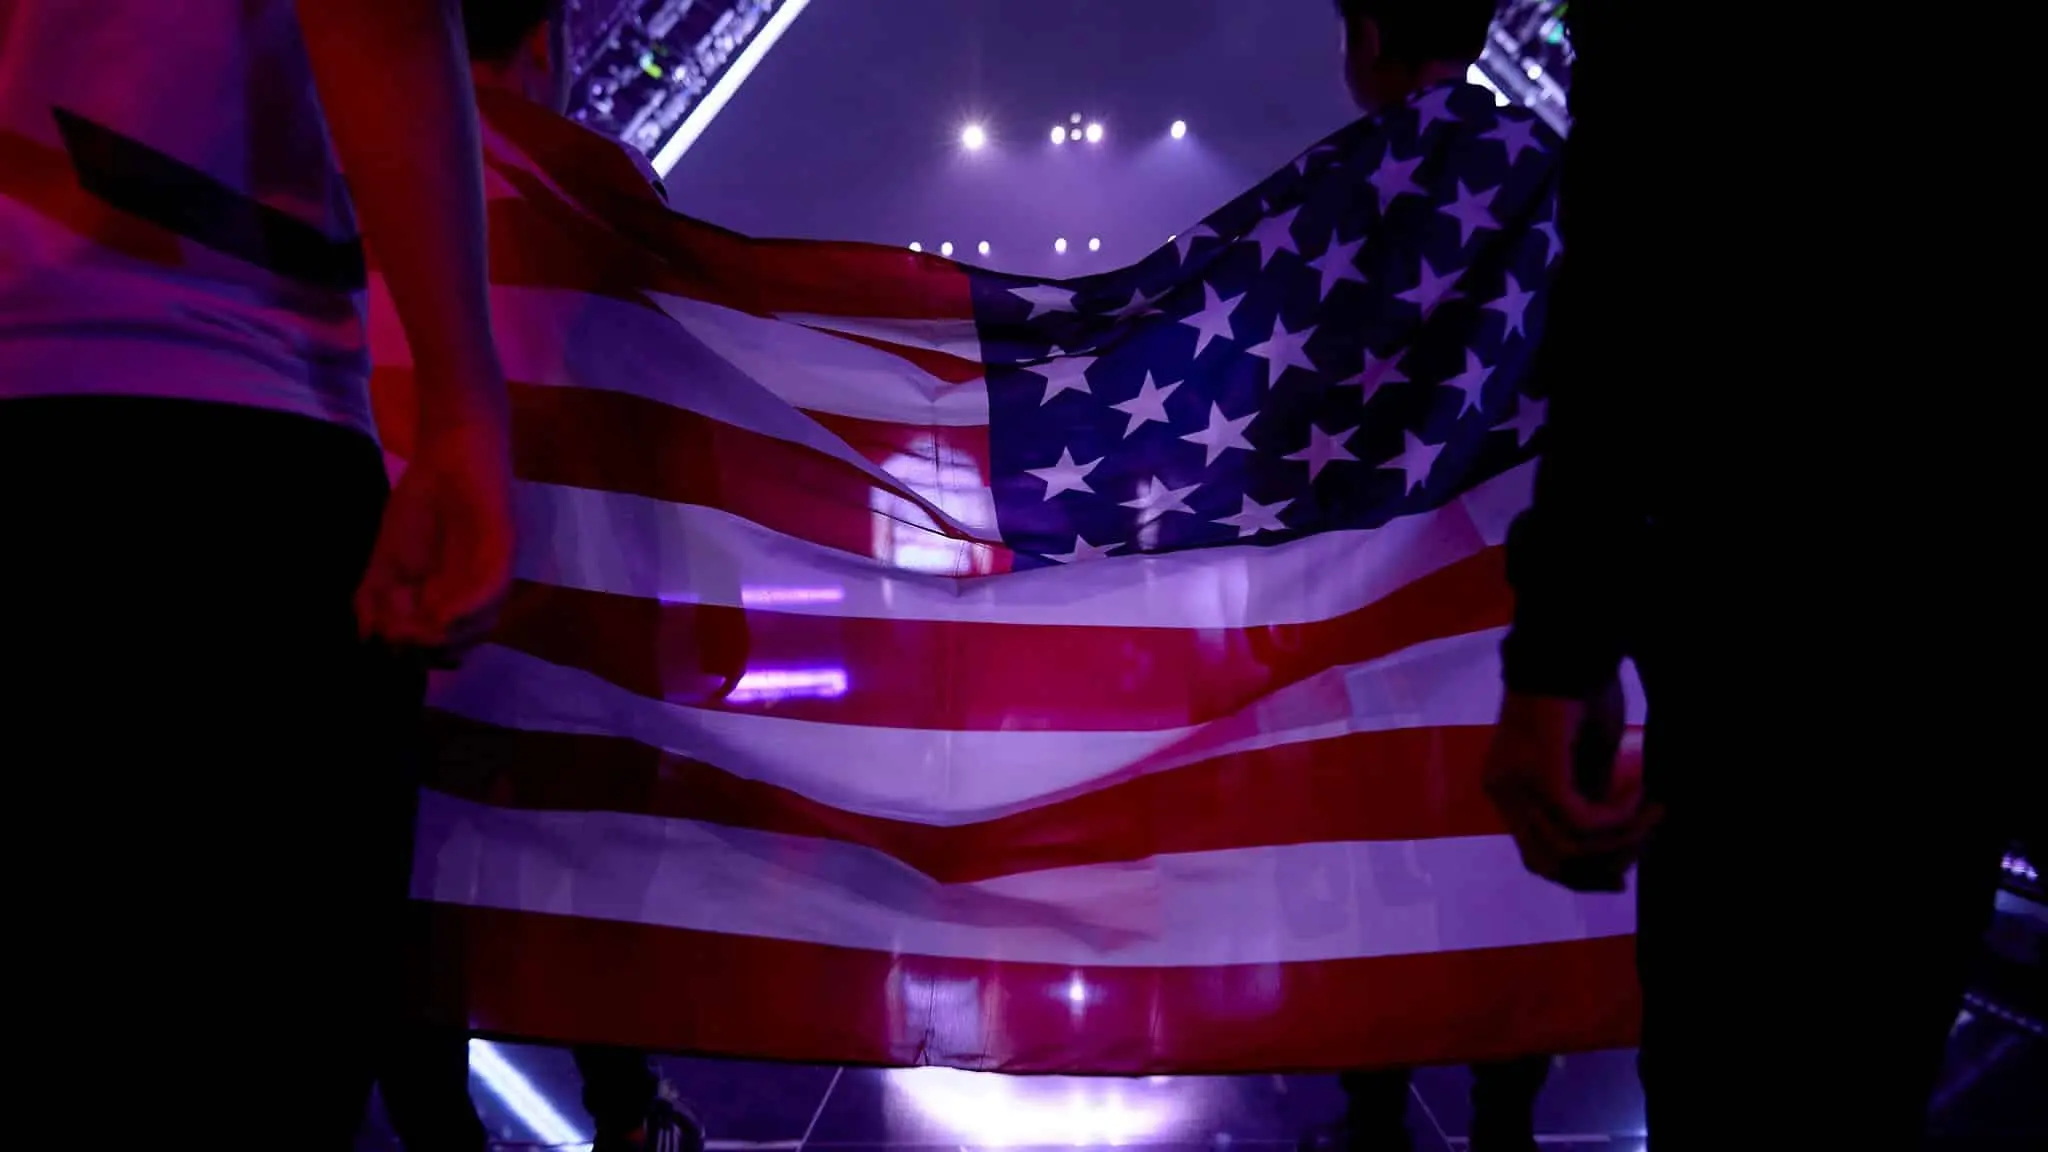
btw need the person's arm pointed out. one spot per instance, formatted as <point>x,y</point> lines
<point>1575,556</point>
<point>394,83</point>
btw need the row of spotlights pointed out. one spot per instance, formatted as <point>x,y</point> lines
<point>1059,245</point>
<point>974,137</point>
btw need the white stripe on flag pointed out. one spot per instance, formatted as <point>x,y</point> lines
<point>560,338</point>
<point>936,776</point>
<point>824,373</point>
<point>634,546</point>
<point>953,337</point>
<point>1269,905</point>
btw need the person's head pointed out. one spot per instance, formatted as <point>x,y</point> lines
<point>517,45</point>
<point>1392,48</point>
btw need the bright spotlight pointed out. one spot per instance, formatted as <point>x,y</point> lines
<point>1179,129</point>
<point>1073,134</point>
<point>1095,243</point>
<point>982,247</point>
<point>1059,134</point>
<point>1074,119</point>
<point>916,247</point>
<point>1095,133</point>
<point>1060,245</point>
<point>973,137</point>
<point>946,249</point>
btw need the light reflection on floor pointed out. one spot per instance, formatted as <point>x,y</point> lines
<point>1003,1112</point>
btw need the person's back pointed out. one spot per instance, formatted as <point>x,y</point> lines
<point>1736,496</point>
<point>215,631</point>
<point>173,221</point>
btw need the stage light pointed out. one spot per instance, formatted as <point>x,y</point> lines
<point>916,247</point>
<point>1060,245</point>
<point>519,1095</point>
<point>1073,134</point>
<point>1059,134</point>
<point>1095,133</point>
<point>973,137</point>
<point>1074,119</point>
<point>982,247</point>
<point>1095,243</point>
<point>946,249</point>
<point>1179,129</point>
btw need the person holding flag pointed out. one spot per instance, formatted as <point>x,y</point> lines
<point>216,623</point>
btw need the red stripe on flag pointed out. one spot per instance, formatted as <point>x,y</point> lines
<point>881,440</point>
<point>802,277</point>
<point>995,677</point>
<point>618,442</point>
<point>940,365</point>
<point>569,980</point>
<point>538,242</point>
<point>1401,784</point>
<point>766,277</point>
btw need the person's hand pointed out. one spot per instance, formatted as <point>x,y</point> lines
<point>1582,833</point>
<point>443,560</point>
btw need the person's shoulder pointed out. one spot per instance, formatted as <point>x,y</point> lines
<point>536,137</point>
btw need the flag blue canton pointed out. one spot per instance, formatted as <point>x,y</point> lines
<point>1345,344</point>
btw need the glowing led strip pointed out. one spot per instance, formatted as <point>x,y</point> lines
<point>517,1093</point>
<point>708,108</point>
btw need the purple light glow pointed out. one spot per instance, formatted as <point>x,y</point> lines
<point>790,684</point>
<point>771,596</point>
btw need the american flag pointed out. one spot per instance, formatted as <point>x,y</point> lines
<point>912,663</point>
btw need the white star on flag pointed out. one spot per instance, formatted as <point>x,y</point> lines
<point>1214,318</point>
<point>1395,178</point>
<point>1083,551</point>
<point>1255,518</point>
<point>1432,289</point>
<point>1513,304</point>
<point>1044,298</point>
<point>1377,373</point>
<point>1222,434</point>
<point>1285,348</point>
<point>1155,500</point>
<point>1431,107</point>
<point>1416,461</point>
<point>1517,133</point>
<point>1064,374</point>
<point>1472,381</point>
<point>1066,476</point>
<point>1472,211</point>
<point>1141,305</point>
<point>1148,406</point>
<point>1337,263</point>
<point>1274,235</point>
<point>1528,419</point>
<point>1556,243</point>
<point>1324,448</point>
